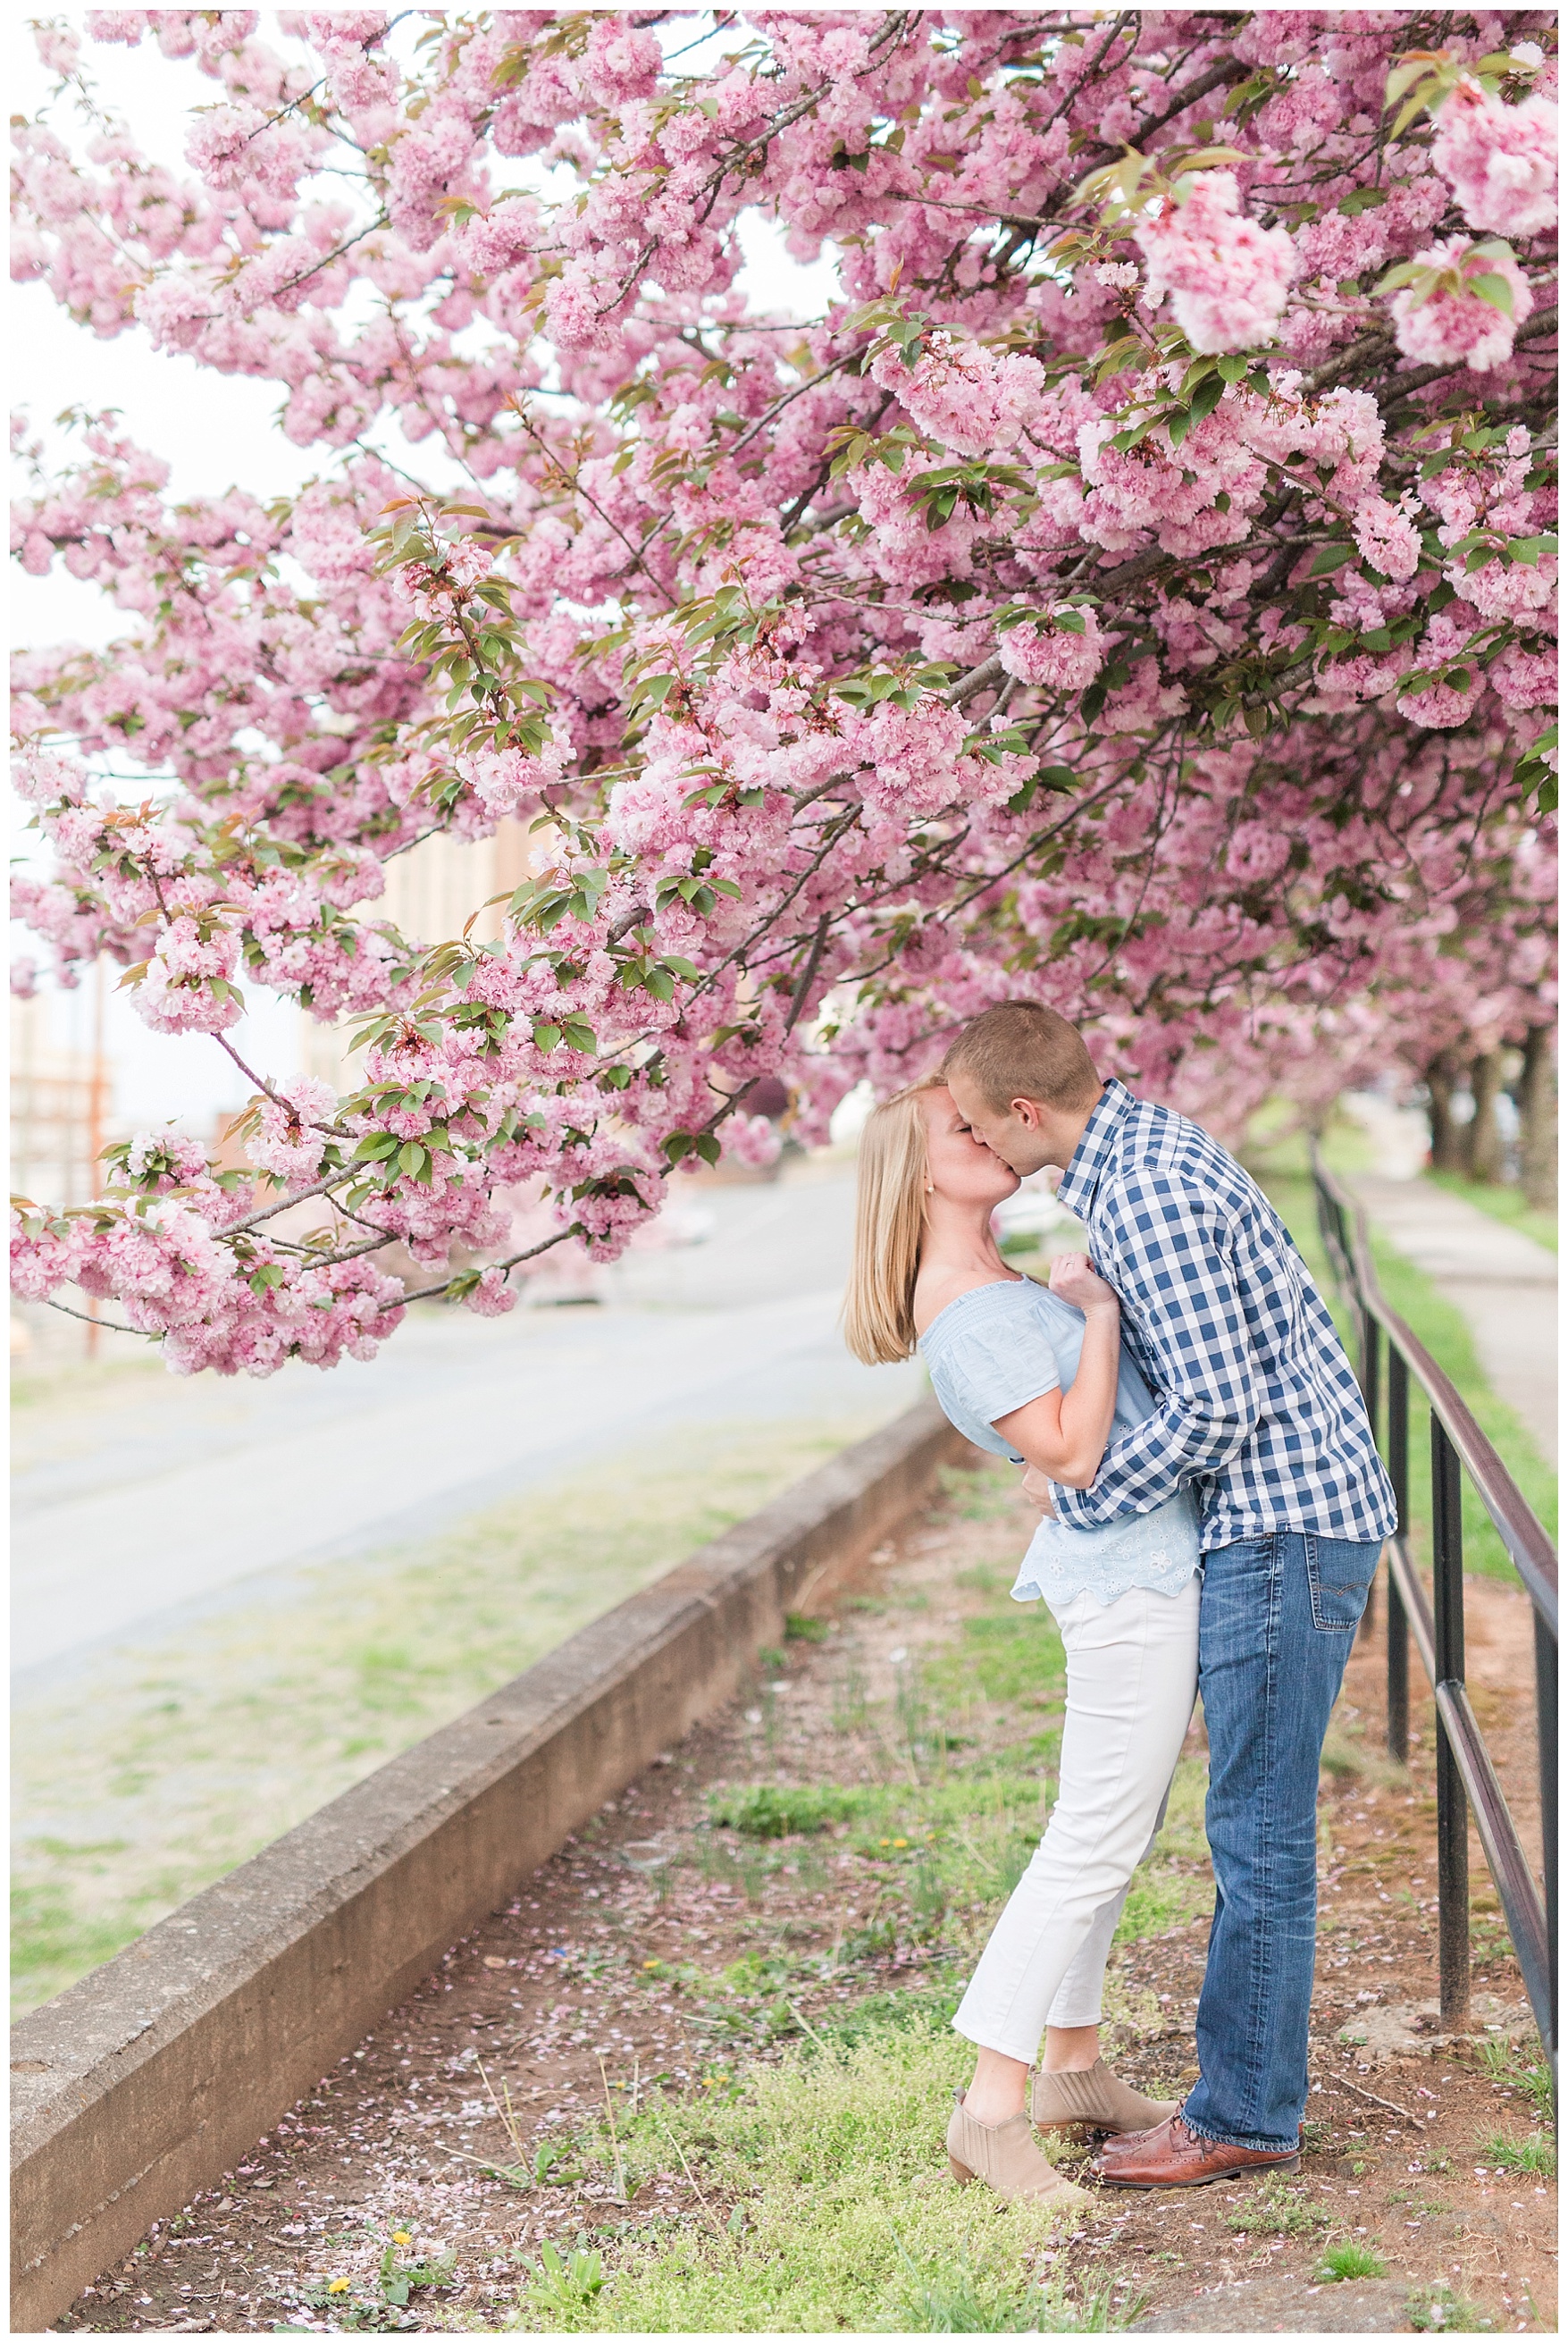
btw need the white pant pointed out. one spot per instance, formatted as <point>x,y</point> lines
<point>1132,1676</point>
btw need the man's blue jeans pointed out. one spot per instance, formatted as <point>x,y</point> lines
<point>1279,1616</point>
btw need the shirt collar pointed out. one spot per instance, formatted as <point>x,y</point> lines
<point>1093,1153</point>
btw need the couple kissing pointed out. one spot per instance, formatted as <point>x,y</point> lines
<point>1212,1512</point>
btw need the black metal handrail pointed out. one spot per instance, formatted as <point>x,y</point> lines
<point>1466,1778</point>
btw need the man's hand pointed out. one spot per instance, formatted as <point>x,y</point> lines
<point>1037,1488</point>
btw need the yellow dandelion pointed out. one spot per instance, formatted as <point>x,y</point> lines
<point>339,2286</point>
<point>884,1842</point>
<point>900,1842</point>
<point>650,1964</point>
<point>401,2237</point>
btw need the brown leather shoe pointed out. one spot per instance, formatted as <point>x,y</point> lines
<point>1172,2157</point>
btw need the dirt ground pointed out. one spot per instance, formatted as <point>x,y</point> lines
<point>571,1994</point>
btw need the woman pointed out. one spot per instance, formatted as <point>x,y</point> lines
<point>1036,1375</point>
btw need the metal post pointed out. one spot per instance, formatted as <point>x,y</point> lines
<point>1453,1815</point>
<point>1546,1744</point>
<point>1372,1335</point>
<point>1398,1625</point>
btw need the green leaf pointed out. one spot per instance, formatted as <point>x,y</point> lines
<point>1208,397</point>
<point>1330,557</point>
<point>1495,290</point>
<point>411,1159</point>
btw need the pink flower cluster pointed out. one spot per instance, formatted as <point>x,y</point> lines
<point>1453,324</point>
<point>976,401</point>
<point>1499,160</point>
<point>1172,654</point>
<point>1064,650</point>
<point>1227,277</point>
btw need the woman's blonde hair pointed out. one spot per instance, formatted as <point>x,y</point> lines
<point>889,1221</point>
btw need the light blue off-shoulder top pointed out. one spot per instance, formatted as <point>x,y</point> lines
<point>1001,1345</point>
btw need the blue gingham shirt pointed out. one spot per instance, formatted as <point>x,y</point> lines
<point>1258,1410</point>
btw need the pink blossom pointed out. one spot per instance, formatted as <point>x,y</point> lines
<point>1451,325</point>
<point>1228,276</point>
<point>1060,656</point>
<point>1387,537</point>
<point>1499,160</point>
<point>492,1297</point>
<point>974,400</point>
<point>704,596</point>
<point>291,1137</point>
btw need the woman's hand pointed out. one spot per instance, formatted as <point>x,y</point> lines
<point>1072,1280</point>
<point>1036,1487</point>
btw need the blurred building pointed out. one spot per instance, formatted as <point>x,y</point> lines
<point>60,1108</point>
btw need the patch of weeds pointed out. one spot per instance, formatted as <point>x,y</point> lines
<point>1537,2155</point>
<point>818,2147</point>
<point>1347,2259</point>
<point>781,1809</point>
<point>564,2287</point>
<point>1011,1657</point>
<point>1438,2310</point>
<point>850,1712</point>
<point>1346,1758</point>
<point>925,2007</point>
<point>799,1629</point>
<point>1161,1900</point>
<point>1275,2210</point>
<point>1512,2064</point>
<point>380,2305</point>
<point>948,2299</point>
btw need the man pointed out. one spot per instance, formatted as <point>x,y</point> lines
<point>1259,1411</point>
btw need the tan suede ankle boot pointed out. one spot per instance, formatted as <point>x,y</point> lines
<point>1092,2098</point>
<point>1005,2157</point>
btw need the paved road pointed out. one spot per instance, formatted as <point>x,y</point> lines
<point>186,1493</point>
<point>1503,1282</point>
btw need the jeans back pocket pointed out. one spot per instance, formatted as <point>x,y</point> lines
<point>1339,1573</point>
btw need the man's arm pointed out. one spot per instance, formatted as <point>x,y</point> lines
<point>1171,1261</point>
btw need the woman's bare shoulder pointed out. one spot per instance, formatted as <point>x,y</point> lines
<point>937,1290</point>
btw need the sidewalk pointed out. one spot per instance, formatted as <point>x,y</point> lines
<point>1503,1285</point>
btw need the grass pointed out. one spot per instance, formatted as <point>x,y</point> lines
<point>1438,2310</point>
<point>1348,2260</point>
<point>823,2210</point>
<point>163,1769</point>
<point>1277,2210</point>
<point>822,2206</point>
<point>1442,1328</point>
<point>1504,1203</point>
<point>1536,2156</point>
<point>1521,2067</point>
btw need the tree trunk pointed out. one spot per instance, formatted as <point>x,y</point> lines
<point>1486,1148</point>
<point>1447,1136</point>
<point>1538,1120</point>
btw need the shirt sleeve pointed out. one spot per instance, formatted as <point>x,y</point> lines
<point>994,1367</point>
<point>1173,1259</point>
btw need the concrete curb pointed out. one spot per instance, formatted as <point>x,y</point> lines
<point>145,2082</point>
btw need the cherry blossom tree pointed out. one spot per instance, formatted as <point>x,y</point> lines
<point>1135,590</point>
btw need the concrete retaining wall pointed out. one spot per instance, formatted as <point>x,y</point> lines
<point>146,2081</point>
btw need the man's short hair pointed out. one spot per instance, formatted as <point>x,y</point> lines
<point>1020,1049</point>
